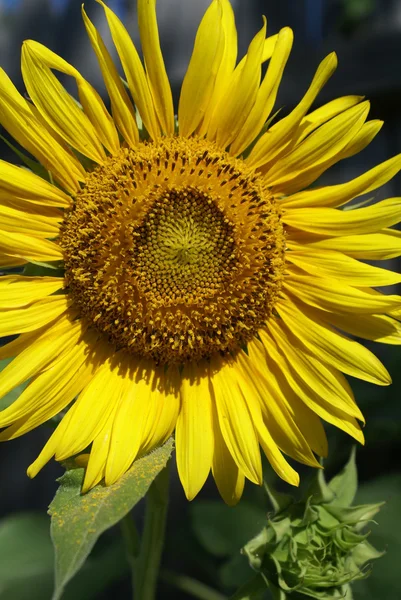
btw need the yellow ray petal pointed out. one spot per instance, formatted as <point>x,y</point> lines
<point>47,348</point>
<point>267,93</point>
<point>341,267</point>
<point>7,261</point>
<point>135,409</point>
<point>324,293</point>
<point>320,146</point>
<point>121,105</point>
<point>134,71</point>
<point>271,144</point>
<point>28,247</point>
<point>194,430</point>
<point>52,390</point>
<point>336,195</point>
<point>18,119</point>
<point>93,407</point>
<point>166,403</point>
<point>241,92</point>
<point>154,63</point>
<point>379,328</point>
<point>25,185</point>
<point>19,221</point>
<point>225,68</point>
<point>235,421</point>
<point>332,347</point>
<point>278,419</point>
<point>298,369</point>
<point>98,456</point>
<point>16,290</point>
<point>308,422</point>
<point>326,112</point>
<point>34,316</point>
<point>197,86</point>
<point>334,222</point>
<point>54,103</point>
<point>304,179</point>
<point>229,479</point>
<point>267,441</point>
<point>327,383</point>
<point>50,448</point>
<point>372,246</point>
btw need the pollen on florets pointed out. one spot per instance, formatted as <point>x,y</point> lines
<point>174,250</point>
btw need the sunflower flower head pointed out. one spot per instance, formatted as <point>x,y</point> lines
<point>192,279</point>
<point>316,547</point>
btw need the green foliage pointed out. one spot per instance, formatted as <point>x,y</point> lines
<point>315,547</point>
<point>27,562</point>
<point>77,520</point>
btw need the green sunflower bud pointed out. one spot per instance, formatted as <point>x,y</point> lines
<point>316,547</point>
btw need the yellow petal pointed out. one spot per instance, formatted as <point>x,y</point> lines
<point>372,246</point>
<point>300,371</point>
<point>25,185</point>
<point>267,93</point>
<point>308,422</point>
<point>241,92</point>
<point>194,430</point>
<point>197,86</point>
<point>121,106</point>
<point>336,195</point>
<point>34,316</point>
<point>54,103</point>
<point>272,143</point>
<point>327,383</point>
<point>332,347</point>
<point>29,248</point>
<point>324,293</point>
<point>134,71</point>
<point>51,390</point>
<point>19,221</point>
<point>98,456</point>
<point>154,63</point>
<point>322,145</point>
<point>46,349</point>
<point>131,422</point>
<point>166,408</point>
<point>92,408</point>
<point>16,290</point>
<point>278,419</point>
<point>362,139</point>
<point>7,262</point>
<point>341,267</point>
<point>18,119</point>
<point>236,424</point>
<point>379,328</point>
<point>334,222</point>
<point>229,479</point>
<point>326,112</point>
<point>226,64</point>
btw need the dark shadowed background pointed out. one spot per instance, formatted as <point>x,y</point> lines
<point>204,537</point>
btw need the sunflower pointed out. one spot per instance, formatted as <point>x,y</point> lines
<point>191,280</point>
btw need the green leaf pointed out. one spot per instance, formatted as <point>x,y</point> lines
<point>212,524</point>
<point>345,484</point>
<point>78,520</point>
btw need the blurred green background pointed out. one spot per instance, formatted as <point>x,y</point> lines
<point>204,537</point>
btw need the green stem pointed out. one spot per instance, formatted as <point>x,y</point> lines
<point>197,589</point>
<point>132,544</point>
<point>148,563</point>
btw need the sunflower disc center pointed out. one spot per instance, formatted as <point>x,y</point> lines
<point>174,251</point>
